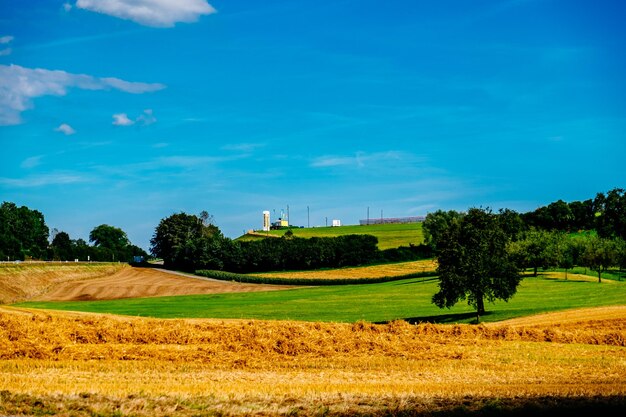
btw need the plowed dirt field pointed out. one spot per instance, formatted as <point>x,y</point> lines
<point>145,282</point>
<point>60,281</point>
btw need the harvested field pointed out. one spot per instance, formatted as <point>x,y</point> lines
<point>145,282</point>
<point>25,281</point>
<point>76,282</point>
<point>373,271</point>
<point>85,364</point>
<point>602,317</point>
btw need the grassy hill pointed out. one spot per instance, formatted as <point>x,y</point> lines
<point>389,235</point>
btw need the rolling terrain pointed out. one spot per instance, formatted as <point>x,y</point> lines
<point>389,235</point>
<point>69,363</point>
<point>105,281</point>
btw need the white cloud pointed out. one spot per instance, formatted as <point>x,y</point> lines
<point>121,119</point>
<point>31,162</point>
<point>147,118</point>
<point>3,41</point>
<point>67,7</point>
<point>155,13</point>
<point>65,128</point>
<point>360,159</point>
<point>19,86</point>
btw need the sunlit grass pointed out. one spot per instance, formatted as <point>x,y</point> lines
<point>389,235</point>
<point>408,299</point>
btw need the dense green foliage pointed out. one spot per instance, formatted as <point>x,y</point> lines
<point>23,233</point>
<point>178,237</point>
<point>406,299</point>
<point>436,224</point>
<point>183,242</point>
<point>473,262</point>
<point>112,244</point>
<point>606,214</point>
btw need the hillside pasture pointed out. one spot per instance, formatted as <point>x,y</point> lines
<point>85,364</point>
<point>389,235</point>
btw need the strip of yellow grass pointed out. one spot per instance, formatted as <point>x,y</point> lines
<point>372,271</point>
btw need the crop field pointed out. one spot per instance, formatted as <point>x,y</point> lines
<point>22,281</point>
<point>371,271</point>
<point>75,364</point>
<point>389,235</point>
<point>104,281</point>
<point>557,348</point>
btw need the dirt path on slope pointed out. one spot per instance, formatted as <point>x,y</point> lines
<point>146,282</point>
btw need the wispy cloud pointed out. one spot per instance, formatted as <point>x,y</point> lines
<point>65,128</point>
<point>19,86</point>
<point>146,118</point>
<point>121,119</point>
<point>3,41</point>
<point>57,178</point>
<point>360,159</point>
<point>243,147</point>
<point>31,162</point>
<point>155,13</point>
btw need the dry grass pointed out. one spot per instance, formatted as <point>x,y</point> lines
<point>374,271</point>
<point>24,281</point>
<point>94,281</point>
<point>85,364</point>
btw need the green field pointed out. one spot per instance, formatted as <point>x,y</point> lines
<point>389,235</point>
<point>406,299</point>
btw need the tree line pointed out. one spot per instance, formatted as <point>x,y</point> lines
<point>187,242</point>
<point>560,235</point>
<point>481,254</point>
<point>24,235</point>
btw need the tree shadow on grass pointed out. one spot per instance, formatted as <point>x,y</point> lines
<point>444,318</point>
<point>415,280</point>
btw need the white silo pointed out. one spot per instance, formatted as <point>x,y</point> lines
<point>266,221</point>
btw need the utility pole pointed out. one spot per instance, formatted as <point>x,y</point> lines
<point>368,216</point>
<point>326,221</point>
<point>308,219</point>
<point>288,219</point>
<point>381,216</point>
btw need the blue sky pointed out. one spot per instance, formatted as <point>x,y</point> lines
<point>125,112</point>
